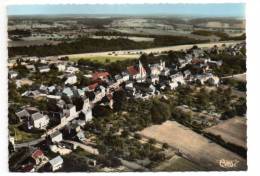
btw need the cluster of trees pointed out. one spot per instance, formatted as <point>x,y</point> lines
<point>221,35</point>
<point>85,44</point>
<point>20,32</point>
<point>239,85</point>
<point>120,146</point>
<point>231,64</point>
<point>82,45</point>
<point>175,40</point>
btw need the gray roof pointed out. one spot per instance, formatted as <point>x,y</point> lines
<point>117,77</point>
<point>22,113</point>
<point>43,67</point>
<point>70,106</point>
<point>68,91</point>
<point>56,161</point>
<point>12,72</point>
<point>37,116</point>
<point>124,73</point>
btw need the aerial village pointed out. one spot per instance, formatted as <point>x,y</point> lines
<point>61,123</point>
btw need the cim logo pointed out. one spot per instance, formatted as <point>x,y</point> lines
<point>228,163</point>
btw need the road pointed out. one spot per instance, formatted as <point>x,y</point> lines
<point>87,148</point>
<point>239,77</point>
<point>49,132</point>
<point>137,52</point>
<point>26,144</point>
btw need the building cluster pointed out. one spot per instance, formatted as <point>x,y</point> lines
<point>68,120</point>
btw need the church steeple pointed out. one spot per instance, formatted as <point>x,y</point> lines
<point>142,71</point>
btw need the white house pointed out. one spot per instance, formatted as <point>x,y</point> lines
<point>56,163</point>
<point>44,69</point>
<point>61,67</point>
<point>30,68</point>
<point>178,77</point>
<point>214,80</point>
<point>125,76</point>
<point>12,74</point>
<point>72,70</point>
<point>156,69</point>
<point>56,136</point>
<point>165,72</point>
<point>207,77</point>
<point>119,79</point>
<point>88,114</point>
<point>87,110</point>
<point>71,79</point>
<point>129,84</point>
<point>173,85</point>
<point>154,79</point>
<point>39,120</point>
<point>99,94</point>
<point>23,114</point>
<point>32,59</point>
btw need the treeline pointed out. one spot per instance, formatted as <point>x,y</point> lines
<point>231,64</point>
<point>175,40</point>
<point>20,32</point>
<point>221,35</point>
<point>85,45</point>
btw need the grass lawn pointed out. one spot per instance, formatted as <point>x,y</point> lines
<point>22,136</point>
<point>102,59</point>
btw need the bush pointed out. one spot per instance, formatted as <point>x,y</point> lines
<point>152,141</point>
<point>137,136</point>
<point>165,145</point>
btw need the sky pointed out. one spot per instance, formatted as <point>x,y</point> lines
<point>205,10</point>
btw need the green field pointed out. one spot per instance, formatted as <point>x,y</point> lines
<point>102,59</point>
<point>177,163</point>
<point>22,136</point>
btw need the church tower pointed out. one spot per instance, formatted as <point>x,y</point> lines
<point>142,72</point>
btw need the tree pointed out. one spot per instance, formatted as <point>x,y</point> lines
<point>160,112</point>
<point>137,136</point>
<point>101,111</point>
<point>152,141</point>
<point>125,133</point>
<point>119,98</point>
<point>165,145</point>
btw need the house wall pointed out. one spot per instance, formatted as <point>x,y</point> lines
<point>57,138</point>
<point>41,123</point>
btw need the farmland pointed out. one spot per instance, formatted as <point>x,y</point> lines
<point>231,131</point>
<point>103,59</point>
<point>134,54</point>
<point>194,146</point>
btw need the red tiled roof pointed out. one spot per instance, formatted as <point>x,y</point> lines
<point>98,75</point>
<point>132,70</point>
<point>196,61</point>
<point>37,153</point>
